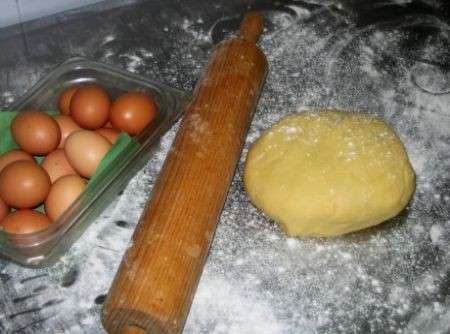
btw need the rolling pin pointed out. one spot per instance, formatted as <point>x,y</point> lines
<point>155,284</point>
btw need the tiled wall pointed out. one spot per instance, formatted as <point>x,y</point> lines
<point>12,11</point>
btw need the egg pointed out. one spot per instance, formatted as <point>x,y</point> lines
<point>65,98</point>
<point>84,150</point>
<point>89,107</point>
<point>24,184</point>
<point>57,165</point>
<point>13,155</point>
<point>66,125</point>
<point>132,112</point>
<point>62,194</point>
<point>35,132</point>
<point>4,209</point>
<point>24,222</point>
<point>109,133</point>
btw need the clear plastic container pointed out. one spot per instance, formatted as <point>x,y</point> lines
<point>45,247</point>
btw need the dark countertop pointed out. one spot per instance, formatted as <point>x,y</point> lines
<point>388,57</point>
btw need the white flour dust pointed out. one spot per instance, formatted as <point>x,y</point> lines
<point>387,279</point>
<point>390,279</point>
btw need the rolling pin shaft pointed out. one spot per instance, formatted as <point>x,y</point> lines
<point>155,284</point>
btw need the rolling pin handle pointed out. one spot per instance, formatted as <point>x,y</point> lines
<point>251,26</point>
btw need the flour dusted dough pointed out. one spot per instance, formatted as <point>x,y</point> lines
<point>329,173</point>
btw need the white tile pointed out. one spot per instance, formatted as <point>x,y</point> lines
<point>8,13</point>
<point>32,9</point>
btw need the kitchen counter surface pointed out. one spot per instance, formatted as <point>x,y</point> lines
<point>387,57</point>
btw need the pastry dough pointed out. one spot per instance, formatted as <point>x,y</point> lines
<point>327,173</point>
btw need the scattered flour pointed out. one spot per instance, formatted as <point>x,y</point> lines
<point>436,233</point>
<point>133,62</point>
<point>6,98</point>
<point>108,39</point>
<point>390,279</point>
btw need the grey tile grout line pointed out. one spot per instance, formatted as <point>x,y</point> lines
<point>22,27</point>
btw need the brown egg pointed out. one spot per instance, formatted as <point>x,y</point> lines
<point>24,222</point>
<point>85,149</point>
<point>90,107</point>
<point>62,194</point>
<point>66,125</point>
<point>4,209</point>
<point>65,98</point>
<point>35,132</point>
<point>24,184</point>
<point>109,133</point>
<point>132,112</point>
<point>57,165</point>
<point>13,155</point>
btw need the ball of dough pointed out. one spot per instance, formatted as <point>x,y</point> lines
<point>327,173</point>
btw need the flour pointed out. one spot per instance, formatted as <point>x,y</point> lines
<point>7,98</point>
<point>108,39</point>
<point>373,280</point>
<point>225,308</point>
<point>194,30</point>
<point>133,62</point>
<point>389,279</point>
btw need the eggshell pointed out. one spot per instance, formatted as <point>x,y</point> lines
<point>57,165</point>
<point>109,133</point>
<point>62,194</point>
<point>132,112</point>
<point>36,132</point>
<point>89,107</point>
<point>66,125</point>
<point>65,98</point>
<point>24,184</point>
<point>84,150</point>
<point>4,209</point>
<point>13,155</point>
<point>24,222</point>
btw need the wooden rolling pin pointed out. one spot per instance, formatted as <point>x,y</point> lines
<point>156,281</point>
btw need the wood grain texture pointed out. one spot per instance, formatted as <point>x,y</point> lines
<point>158,276</point>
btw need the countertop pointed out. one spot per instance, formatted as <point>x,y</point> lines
<point>387,57</point>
